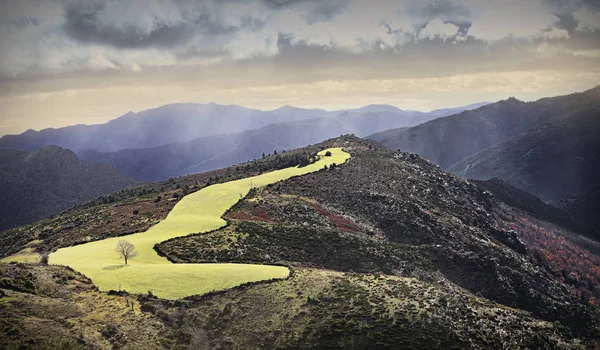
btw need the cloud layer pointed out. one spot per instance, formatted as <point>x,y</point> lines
<point>58,36</point>
<point>64,62</point>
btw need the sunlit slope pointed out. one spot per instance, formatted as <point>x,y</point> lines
<point>195,213</point>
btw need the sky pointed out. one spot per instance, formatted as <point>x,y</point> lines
<point>66,62</point>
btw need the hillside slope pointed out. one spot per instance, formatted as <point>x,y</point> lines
<point>558,213</point>
<point>553,161</point>
<point>388,251</point>
<point>583,208</point>
<point>448,140</point>
<point>36,185</point>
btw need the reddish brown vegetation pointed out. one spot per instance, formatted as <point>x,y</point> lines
<point>340,222</point>
<point>575,267</point>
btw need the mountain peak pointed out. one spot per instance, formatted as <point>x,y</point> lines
<point>53,152</point>
<point>376,108</point>
<point>286,108</point>
<point>512,99</point>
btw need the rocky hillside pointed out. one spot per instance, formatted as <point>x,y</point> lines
<point>36,185</point>
<point>388,251</point>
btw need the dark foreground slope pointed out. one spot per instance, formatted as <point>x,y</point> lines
<point>36,185</point>
<point>388,251</point>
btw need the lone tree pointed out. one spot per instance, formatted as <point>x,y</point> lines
<point>126,250</point>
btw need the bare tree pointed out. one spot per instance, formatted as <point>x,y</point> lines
<point>126,250</point>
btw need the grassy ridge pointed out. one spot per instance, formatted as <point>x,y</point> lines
<point>195,213</point>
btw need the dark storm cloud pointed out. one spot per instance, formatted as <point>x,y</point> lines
<point>58,36</point>
<point>199,19</point>
<point>325,10</point>
<point>449,11</point>
<point>83,23</point>
<point>98,58</point>
<point>83,27</point>
<point>23,22</point>
<point>568,6</point>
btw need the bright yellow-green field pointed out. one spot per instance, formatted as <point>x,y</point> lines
<point>195,213</point>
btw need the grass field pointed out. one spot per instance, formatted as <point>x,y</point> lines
<point>26,255</point>
<point>196,213</point>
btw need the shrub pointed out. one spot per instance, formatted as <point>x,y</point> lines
<point>44,259</point>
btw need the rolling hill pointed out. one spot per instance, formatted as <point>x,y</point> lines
<point>35,185</point>
<point>387,251</point>
<point>555,161</point>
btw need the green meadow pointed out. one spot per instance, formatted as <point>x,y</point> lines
<point>196,213</point>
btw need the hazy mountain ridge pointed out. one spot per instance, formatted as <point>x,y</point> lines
<point>44,182</point>
<point>219,151</point>
<point>180,123</point>
<point>447,140</point>
<point>553,160</point>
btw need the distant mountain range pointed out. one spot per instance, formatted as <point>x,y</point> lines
<point>38,184</point>
<point>184,122</point>
<point>203,154</point>
<point>550,147</point>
